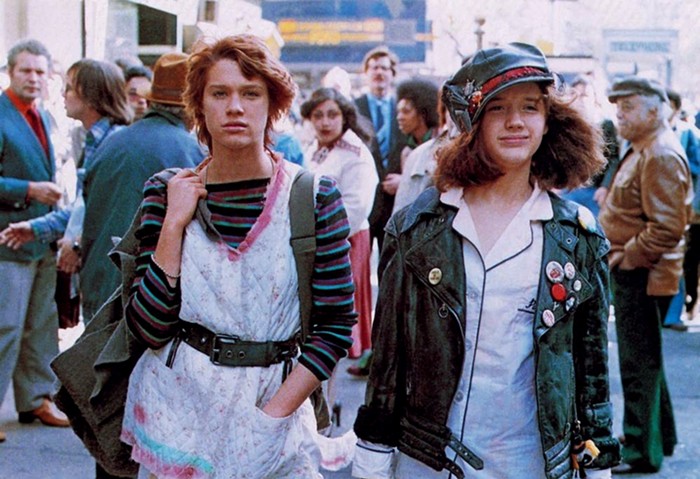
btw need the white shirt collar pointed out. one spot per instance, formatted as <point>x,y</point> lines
<point>515,237</point>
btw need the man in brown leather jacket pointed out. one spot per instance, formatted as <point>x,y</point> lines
<point>645,216</point>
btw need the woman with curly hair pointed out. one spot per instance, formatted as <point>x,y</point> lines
<point>490,339</point>
<point>223,389</point>
<point>416,113</point>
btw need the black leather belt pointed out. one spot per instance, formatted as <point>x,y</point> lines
<point>229,350</point>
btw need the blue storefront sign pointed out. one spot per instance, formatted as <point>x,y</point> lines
<point>342,31</point>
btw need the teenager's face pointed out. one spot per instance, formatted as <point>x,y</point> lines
<point>512,126</point>
<point>28,76</point>
<point>235,108</point>
<point>327,120</point>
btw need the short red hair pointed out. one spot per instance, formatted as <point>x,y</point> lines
<point>255,60</point>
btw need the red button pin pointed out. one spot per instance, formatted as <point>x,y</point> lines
<point>558,292</point>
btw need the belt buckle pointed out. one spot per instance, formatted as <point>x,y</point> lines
<point>219,344</point>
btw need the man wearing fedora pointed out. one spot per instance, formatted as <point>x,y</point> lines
<point>114,182</point>
<point>644,216</point>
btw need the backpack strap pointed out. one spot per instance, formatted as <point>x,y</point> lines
<point>302,205</point>
<point>303,225</point>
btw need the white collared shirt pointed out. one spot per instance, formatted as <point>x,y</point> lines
<point>494,411</point>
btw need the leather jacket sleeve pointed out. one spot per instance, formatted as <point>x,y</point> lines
<point>378,420</point>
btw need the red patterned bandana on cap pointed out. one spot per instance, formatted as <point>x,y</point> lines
<point>490,85</point>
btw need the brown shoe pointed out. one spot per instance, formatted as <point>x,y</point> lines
<point>47,413</point>
<point>2,436</point>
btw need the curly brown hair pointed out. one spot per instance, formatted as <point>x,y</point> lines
<point>571,152</point>
<point>255,61</point>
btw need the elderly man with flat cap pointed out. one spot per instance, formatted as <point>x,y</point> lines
<point>645,215</point>
<point>114,183</point>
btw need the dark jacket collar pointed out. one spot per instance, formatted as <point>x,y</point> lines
<point>565,212</point>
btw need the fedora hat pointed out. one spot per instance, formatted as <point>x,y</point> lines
<point>486,74</point>
<point>169,79</point>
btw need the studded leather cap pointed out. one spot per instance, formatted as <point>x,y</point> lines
<point>633,85</point>
<point>489,72</point>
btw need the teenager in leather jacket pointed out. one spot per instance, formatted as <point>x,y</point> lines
<point>490,333</point>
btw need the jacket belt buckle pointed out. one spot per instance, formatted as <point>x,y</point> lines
<point>221,351</point>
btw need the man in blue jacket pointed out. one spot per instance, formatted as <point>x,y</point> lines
<point>115,179</point>
<point>28,320</point>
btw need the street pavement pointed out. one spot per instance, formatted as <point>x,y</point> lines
<point>38,452</point>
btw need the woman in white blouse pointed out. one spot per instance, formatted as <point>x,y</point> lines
<point>339,152</point>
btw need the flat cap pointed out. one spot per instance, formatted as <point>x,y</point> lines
<point>634,85</point>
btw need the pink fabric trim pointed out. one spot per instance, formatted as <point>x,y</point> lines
<point>279,174</point>
<point>344,145</point>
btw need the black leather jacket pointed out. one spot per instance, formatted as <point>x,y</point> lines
<point>418,338</point>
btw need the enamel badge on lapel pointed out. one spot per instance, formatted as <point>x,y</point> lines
<point>554,272</point>
<point>548,318</point>
<point>558,292</point>
<point>569,270</point>
<point>577,285</point>
<point>570,302</point>
<point>435,276</point>
<point>586,219</point>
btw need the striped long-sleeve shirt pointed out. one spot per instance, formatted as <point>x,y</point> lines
<point>153,309</point>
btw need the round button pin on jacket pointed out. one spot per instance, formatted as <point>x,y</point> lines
<point>548,318</point>
<point>435,276</point>
<point>554,272</point>
<point>558,292</point>
<point>569,270</point>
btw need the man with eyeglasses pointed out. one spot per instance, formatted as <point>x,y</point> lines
<point>379,105</point>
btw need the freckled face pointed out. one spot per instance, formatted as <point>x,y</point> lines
<point>512,126</point>
<point>235,108</point>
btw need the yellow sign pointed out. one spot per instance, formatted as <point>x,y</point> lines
<point>332,33</point>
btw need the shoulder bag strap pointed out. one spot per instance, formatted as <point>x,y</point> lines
<point>303,224</point>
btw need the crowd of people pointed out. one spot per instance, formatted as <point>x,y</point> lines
<point>507,213</point>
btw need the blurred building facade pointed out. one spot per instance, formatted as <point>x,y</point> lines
<point>654,38</point>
